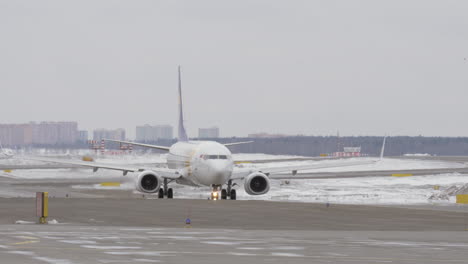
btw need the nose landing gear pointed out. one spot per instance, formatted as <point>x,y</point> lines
<point>227,193</point>
<point>215,192</point>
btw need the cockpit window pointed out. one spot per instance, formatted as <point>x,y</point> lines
<point>222,157</point>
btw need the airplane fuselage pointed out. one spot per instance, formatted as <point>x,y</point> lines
<point>202,163</point>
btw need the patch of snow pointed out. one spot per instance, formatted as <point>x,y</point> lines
<point>288,248</point>
<point>53,261</point>
<point>21,222</point>
<point>286,254</point>
<point>53,222</point>
<point>226,243</point>
<point>26,253</point>
<point>140,253</point>
<point>146,260</point>
<point>250,248</point>
<point>240,254</point>
<point>108,247</point>
<point>78,242</point>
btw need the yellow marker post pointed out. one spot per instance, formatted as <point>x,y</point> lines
<point>42,206</point>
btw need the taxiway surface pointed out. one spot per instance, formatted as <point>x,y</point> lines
<point>152,231</point>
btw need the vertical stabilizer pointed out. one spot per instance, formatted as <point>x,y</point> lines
<point>182,132</point>
<point>383,148</point>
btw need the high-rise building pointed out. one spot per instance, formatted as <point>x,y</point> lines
<point>212,132</point>
<point>115,134</point>
<point>147,133</point>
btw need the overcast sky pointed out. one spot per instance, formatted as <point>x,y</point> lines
<point>293,67</point>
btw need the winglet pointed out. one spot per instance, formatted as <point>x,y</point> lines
<point>383,148</point>
<point>182,132</point>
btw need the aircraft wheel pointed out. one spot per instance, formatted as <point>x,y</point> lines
<point>223,194</point>
<point>170,193</point>
<point>233,194</point>
<point>161,194</point>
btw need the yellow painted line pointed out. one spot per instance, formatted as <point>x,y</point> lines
<point>26,242</point>
<point>27,237</point>
<point>462,198</point>
<point>240,162</point>
<point>7,171</point>
<point>110,184</point>
<point>402,175</point>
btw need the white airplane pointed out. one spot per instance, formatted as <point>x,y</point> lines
<point>200,163</point>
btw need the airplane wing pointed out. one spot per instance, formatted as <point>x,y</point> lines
<point>243,172</point>
<point>140,144</point>
<point>316,158</point>
<point>291,172</point>
<point>163,172</point>
<point>374,173</point>
<point>237,143</point>
<point>240,173</point>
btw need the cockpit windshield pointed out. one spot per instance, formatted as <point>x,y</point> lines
<point>206,157</point>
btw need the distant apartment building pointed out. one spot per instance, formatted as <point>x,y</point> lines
<point>116,134</point>
<point>15,134</point>
<point>51,133</point>
<point>148,133</point>
<point>83,136</point>
<point>44,133</point>
<point>212,132</point>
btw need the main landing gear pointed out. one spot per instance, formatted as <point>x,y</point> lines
<point>165,191</point>
<point>225,193</point>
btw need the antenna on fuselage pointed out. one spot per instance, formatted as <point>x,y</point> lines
<point>182,133</point>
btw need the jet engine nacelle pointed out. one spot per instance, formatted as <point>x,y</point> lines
<point>148,182</point>
<point>257,183</point>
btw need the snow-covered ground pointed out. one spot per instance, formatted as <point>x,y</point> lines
<point>385,164</point>
<point>364,190</point>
